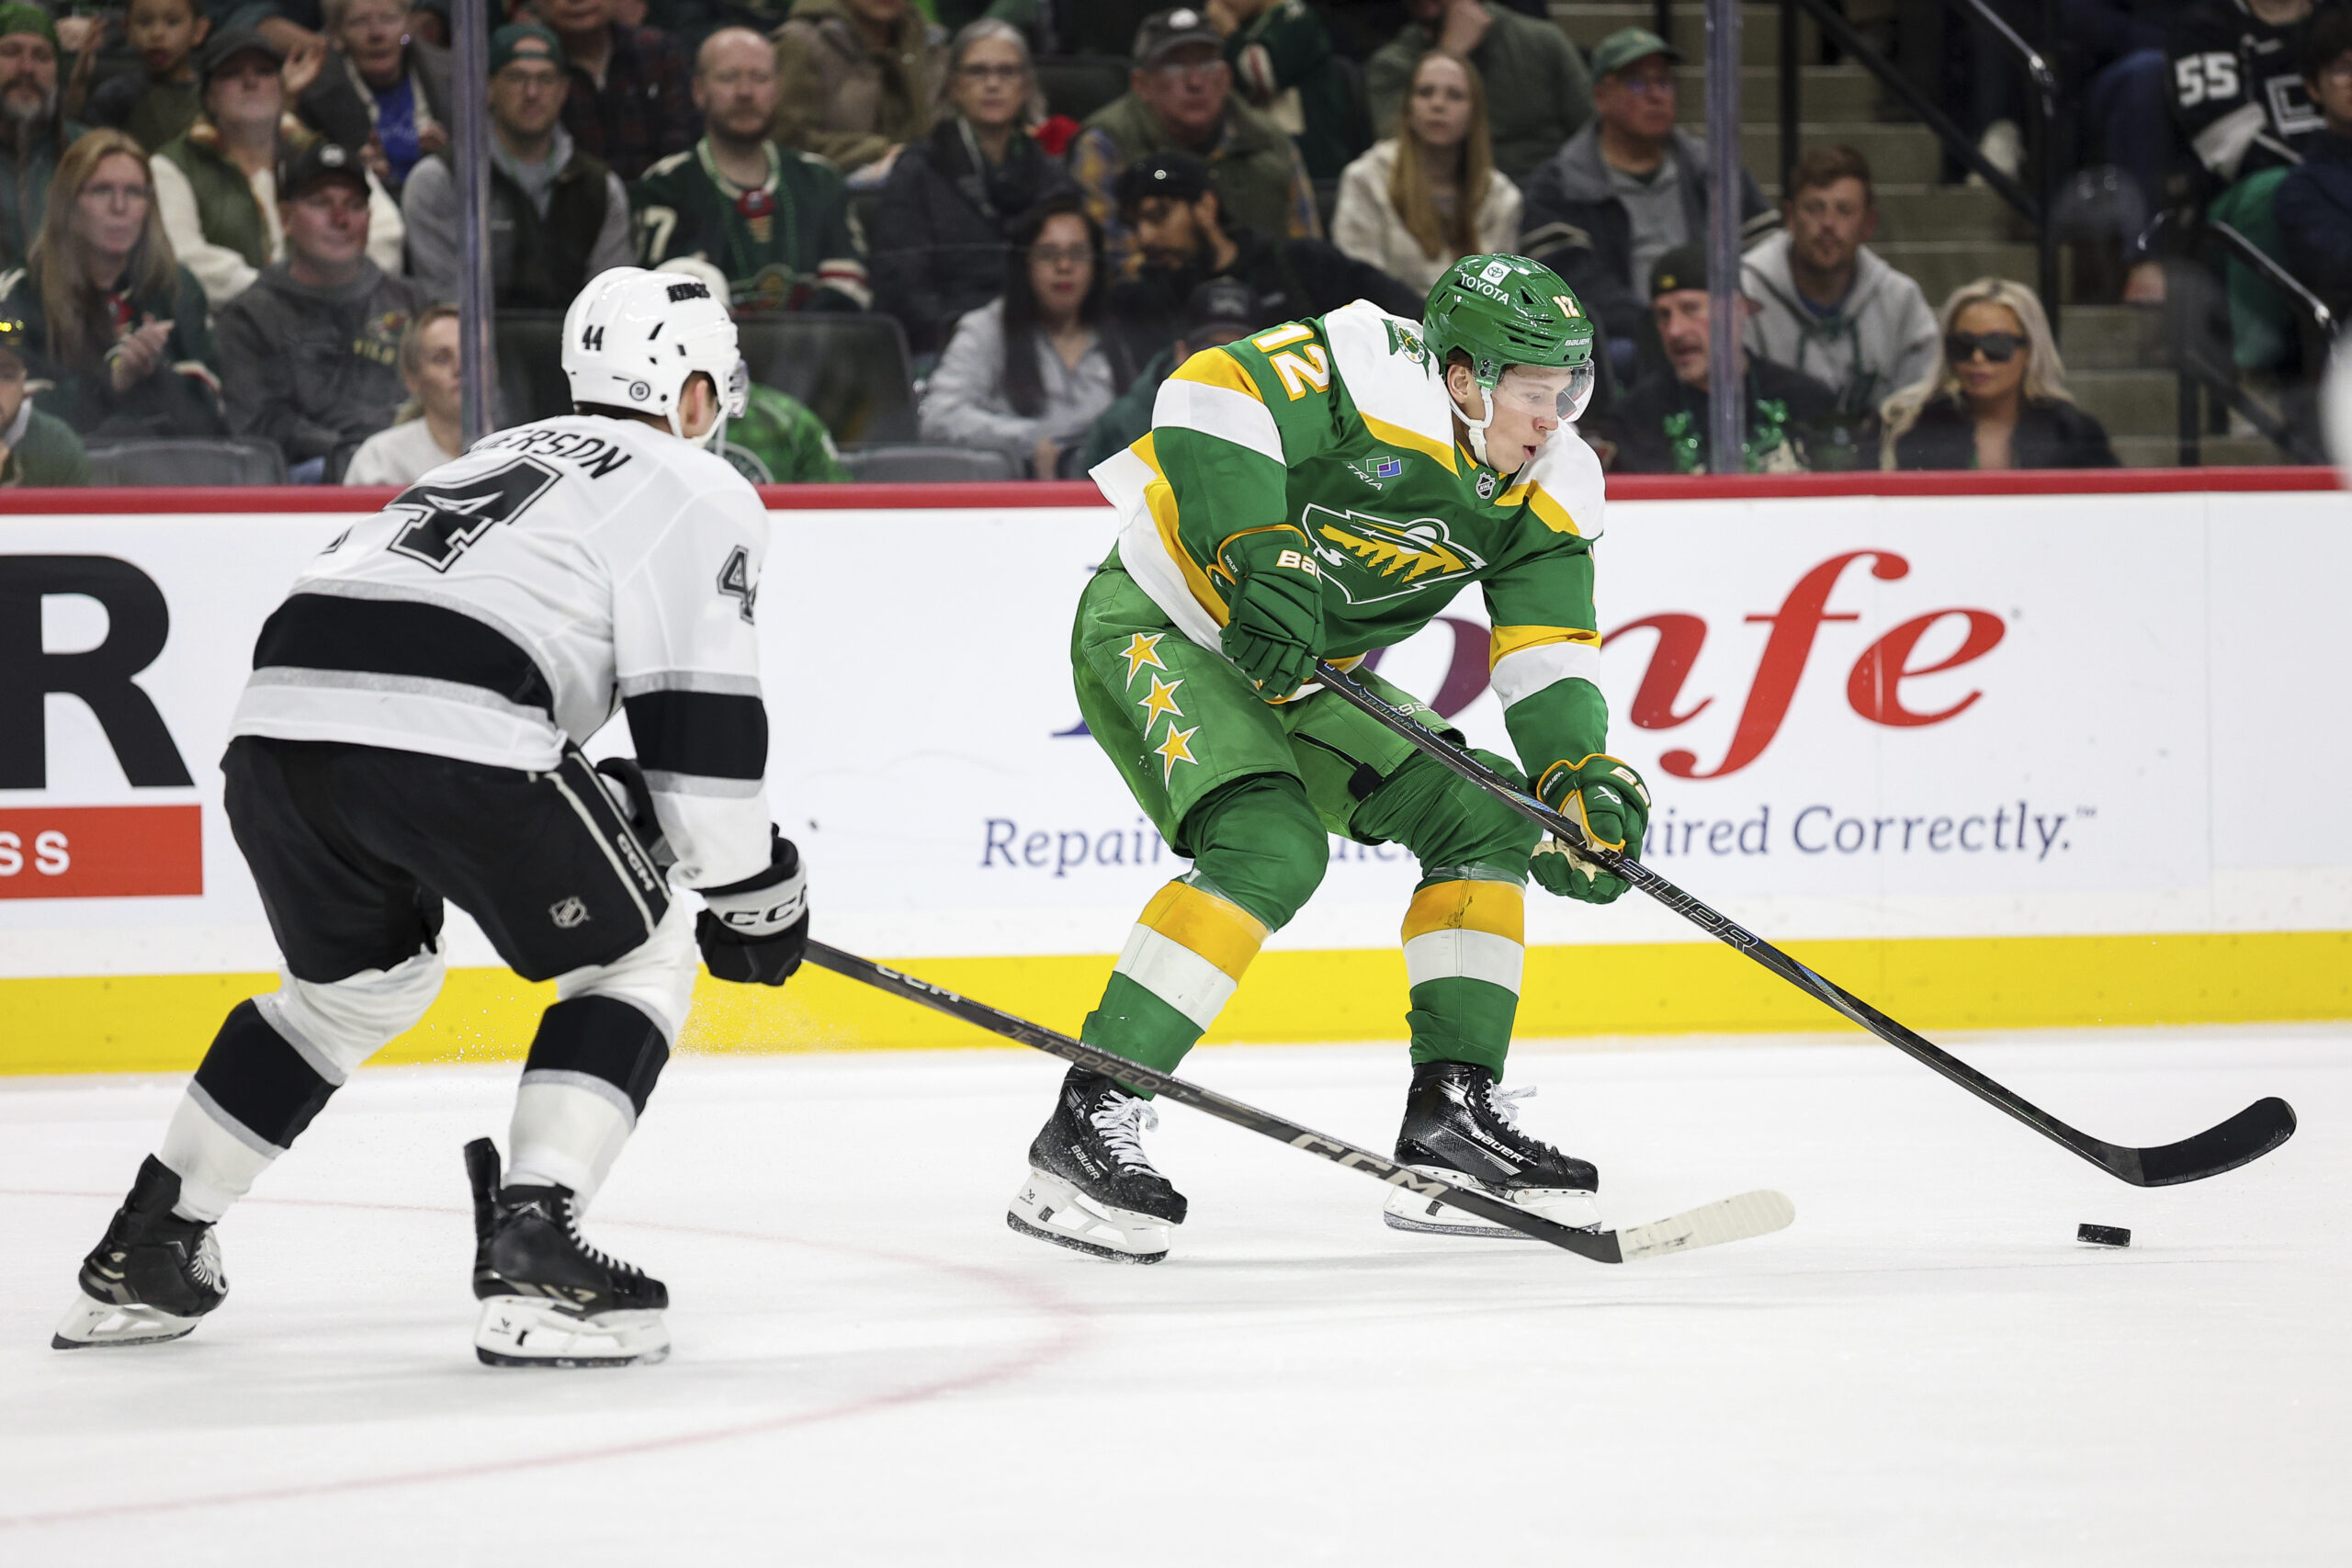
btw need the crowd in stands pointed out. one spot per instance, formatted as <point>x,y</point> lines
<point>239,217</point>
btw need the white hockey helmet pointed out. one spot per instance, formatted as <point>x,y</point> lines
<point>632,338</point>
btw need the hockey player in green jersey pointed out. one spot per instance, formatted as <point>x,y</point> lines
<point>1320,490</point>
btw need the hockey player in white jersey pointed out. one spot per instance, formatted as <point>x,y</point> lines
<point>411,733</point>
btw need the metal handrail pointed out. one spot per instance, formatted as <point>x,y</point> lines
<point>2193,369</point>
<point>2276,272</point>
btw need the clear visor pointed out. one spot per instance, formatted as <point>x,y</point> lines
<point>1535,389</point>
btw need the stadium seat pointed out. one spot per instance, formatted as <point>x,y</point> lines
<point>223,460</point>
<point>1079,84</point>
<point>928,465</point>
<point>850,369</point>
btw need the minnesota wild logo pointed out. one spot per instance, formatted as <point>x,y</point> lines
<point>1378,559</point>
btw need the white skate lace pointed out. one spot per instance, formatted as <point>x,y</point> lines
<point>1117,1118</point>
<point>571,1229</point>
<point>1504,1103</point>
<point>205,1266</point>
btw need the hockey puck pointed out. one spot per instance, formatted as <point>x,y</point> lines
<point>2103,1236</point>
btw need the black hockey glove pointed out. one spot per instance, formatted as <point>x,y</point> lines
<point>1275,633</point>
<point>755,932</point>
<point>625,782</point>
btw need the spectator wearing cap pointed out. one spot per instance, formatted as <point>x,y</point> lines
<point>1171,204</point>
<point>216,184</point>
<point>1179,100</point>
<point>860,80</point>
<point>558,215</point>
<point>427,430</point>
<point>160,100</point>
<point>1660,427</point>
<point>1626,189</point>
<point>36,448</point>
<point>33,136</point>
<point>1284,63</point>
<point>1220,311</point>
<point>117,327</point>
<point>1028,373</point>
<point>631,102</point>
<point>938,230</point>
<point>774,222</point>
<point>1825,301</point>
<point>1538,93</point>
<point>310,355</point>
<point>1429,195</point>
<point>383,91</point>
<point>1997,397</point>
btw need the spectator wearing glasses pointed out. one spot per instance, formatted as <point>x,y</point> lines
<point>2314,201</point>
<point>36,448</point>
<point>1178,99</point>
<point>1429,195</point>
<point>159,101</point>
<point>1028,373</point>
<point>1660,427</point>
<point>310,355</point>
<point>775,223</point>
<point>117,326</point>
<point>558,215</point>
<point>428,429</point>
<point>382,91</point>
<point>1626,189</point>
<point>1283,62</point>
<point>939,233</point>
<point>1999,399</point>
<point>33,135</point>
<point>1824,302</point>
<point>631,99</point>
<point>861,81</point>
<point>1538,93</point>
<point>1171,206</point>
<point>216,183</point>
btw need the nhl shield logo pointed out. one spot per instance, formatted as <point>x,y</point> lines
<point>568,913</point>
<point>1485,487</point>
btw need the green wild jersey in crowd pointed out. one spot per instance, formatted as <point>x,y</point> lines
<point>1341,428</point>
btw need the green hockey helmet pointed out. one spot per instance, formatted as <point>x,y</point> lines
<point>1506,310</point>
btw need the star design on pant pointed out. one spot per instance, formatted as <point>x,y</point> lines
<point>1142,649</point>
<point>1161,700</point>
<point>1174,750</point>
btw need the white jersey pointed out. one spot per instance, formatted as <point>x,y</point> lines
<point>507,603</point>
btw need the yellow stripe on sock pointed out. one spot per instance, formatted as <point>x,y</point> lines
<point>1225,933</point>
<point>1497,909</point>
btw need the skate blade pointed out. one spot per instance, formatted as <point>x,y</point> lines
<point>526,1331</point>
<point>1567,1206</point>
<point>93,1324</point>
<point>1052,1210</point>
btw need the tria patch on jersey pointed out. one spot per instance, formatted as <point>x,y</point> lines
<point>1371,559</point>
<point>1379,471</point>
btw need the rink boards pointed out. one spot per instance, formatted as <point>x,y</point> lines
<point>1989,759</point>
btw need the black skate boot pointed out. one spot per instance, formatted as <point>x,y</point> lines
<point>550,1299</point>
<point>1457,1122</point>
<point>152,1276</point>
<point>1090,1187</point>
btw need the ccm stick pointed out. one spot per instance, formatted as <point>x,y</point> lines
<point>2246,1136</point>
<point>1731,1219</point>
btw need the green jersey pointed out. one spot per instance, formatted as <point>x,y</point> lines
<point>779,442</point>
<point>790,244</point>
<point>1339,430</point>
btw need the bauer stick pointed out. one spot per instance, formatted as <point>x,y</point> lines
<point>1728,1219</point>
<point>2246,1136</point>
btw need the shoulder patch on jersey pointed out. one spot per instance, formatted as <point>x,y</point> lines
<point>1395,395</point>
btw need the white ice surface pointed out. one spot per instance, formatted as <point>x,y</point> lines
<point>870,1368</point>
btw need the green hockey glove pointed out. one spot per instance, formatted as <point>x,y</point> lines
<point>1275,632</point>
<point>1606,798</point>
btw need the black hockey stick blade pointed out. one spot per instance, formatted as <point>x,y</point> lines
<point>1729,1219</point>
<point>2248,1135</point>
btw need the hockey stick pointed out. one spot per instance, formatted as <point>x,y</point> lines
<point>2246,1136</point>
<point>1729,1219</point>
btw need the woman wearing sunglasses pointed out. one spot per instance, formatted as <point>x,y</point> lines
<point>1998,397</point>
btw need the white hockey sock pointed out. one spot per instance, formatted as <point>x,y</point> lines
<point>568,1129</point>
<point>215,1160</point>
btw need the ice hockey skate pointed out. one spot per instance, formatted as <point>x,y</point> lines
<point>1091,1187</point>
<point>1460,1125</point>
<point>152,1277</point>
<point>548,1298</point>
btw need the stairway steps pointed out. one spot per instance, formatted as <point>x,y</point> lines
<point>1760,29</point>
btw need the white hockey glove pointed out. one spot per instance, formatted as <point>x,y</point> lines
<point>755,932</point>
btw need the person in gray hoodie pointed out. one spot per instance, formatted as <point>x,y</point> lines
<point>310,355</point>
<point>1825,303</point>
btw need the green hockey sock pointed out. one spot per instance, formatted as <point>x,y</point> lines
<point>1463,951</point>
